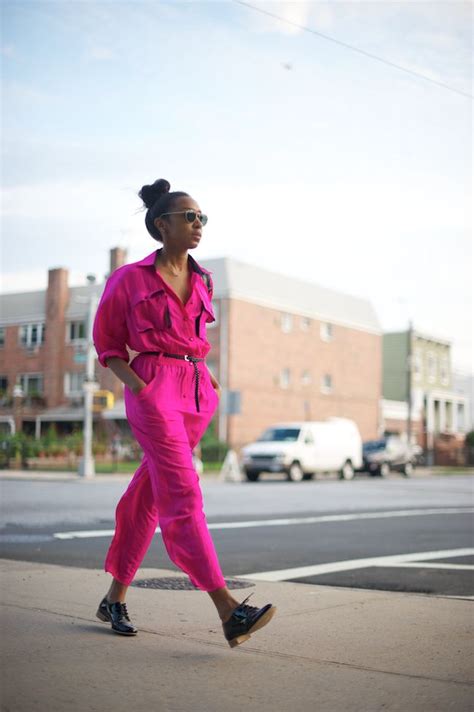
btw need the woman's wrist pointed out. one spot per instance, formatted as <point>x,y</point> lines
<point>214,381</point>
<point>137,387</point>
<point>126,374</point>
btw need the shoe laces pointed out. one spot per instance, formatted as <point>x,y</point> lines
<point>123,609</point>
<point>245,608</point>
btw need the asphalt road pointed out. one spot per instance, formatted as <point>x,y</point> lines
<point>395,534</point>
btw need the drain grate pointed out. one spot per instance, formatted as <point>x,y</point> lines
<point>179,583</point>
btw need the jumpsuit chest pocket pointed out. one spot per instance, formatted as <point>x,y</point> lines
<point>151,311</point>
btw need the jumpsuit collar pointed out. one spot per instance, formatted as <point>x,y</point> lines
<point>149,260</point>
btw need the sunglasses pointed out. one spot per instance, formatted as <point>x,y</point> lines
<point>189,215</point>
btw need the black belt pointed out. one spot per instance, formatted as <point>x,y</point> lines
<point>193,360</point>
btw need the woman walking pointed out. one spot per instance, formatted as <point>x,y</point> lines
<point>159,307</point>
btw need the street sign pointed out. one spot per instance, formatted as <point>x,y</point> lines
<point>233,403</point>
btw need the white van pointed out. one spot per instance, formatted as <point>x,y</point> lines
<point>301,449</point>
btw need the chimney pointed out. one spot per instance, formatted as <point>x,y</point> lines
<point>118,257</point>
<point>57,299</point>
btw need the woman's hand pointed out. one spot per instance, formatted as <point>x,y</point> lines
<point>136,388</point>
<point>126,374</point>
<point>215,384</point>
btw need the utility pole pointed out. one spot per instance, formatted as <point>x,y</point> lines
<point>409,383</point>
<point>86,463</point>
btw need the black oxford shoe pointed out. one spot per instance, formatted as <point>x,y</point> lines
<point>245,620</point>
<point>116,614</point>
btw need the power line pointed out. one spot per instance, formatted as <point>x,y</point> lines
<point>354,49</point>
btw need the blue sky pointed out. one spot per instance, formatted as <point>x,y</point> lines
<point>340,169</point>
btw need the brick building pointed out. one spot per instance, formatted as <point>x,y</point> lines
<point>285,349</point>
<point>282,349</point>
<point>42,354</point>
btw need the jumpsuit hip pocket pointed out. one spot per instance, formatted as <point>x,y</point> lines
<point>143,391</point>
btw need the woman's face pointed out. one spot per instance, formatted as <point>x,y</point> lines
<point>176,231</point>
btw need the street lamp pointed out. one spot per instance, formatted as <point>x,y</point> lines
<point>408,373</point>
<point>18,395</point>
<point>86,463</point>
<point>409,383</point>
<point>18,391</point>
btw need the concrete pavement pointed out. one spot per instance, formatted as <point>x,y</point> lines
<point>327,649</point>
<point>44,475</point>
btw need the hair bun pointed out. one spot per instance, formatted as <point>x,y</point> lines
<point>150,193</point>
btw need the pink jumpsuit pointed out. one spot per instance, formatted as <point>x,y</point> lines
<point>167,417</point>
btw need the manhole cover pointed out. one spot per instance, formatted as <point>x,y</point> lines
<point>179,583</point>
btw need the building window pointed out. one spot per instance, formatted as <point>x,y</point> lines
<point>73,382</point>
<point>444,370</point>
<point>326,331</point>
<point>417,365</point>
<point>32,335</point>
<point>284,377</point>
<point>2,337</point>
<point>31,383</point>
<point>212,324</point>
<point>76,331</point>
<point>305,378</point>
<point>431,367</point>
<point>305,323</point>
<point>286,322</point>
<point>326,383</point>
<point>3,385</point>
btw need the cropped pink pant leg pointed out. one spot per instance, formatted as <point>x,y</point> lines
<point>165,489</point>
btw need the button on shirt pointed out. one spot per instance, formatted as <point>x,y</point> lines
<point>139,309</point>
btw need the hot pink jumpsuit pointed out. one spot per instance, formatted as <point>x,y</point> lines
<point>140,309</point>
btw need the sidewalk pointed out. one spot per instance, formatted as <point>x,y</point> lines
<point>327,649</point>
<point>208,475</point>
<point>65,475</point>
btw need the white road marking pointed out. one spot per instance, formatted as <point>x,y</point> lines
<point>289,521</point>
<point>411,565</point>
<point>351,564</point>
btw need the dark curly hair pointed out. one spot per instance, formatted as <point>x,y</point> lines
<point>158,199</point>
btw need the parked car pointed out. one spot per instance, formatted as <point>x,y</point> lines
<point>389,453</point>
<point>302,449</point>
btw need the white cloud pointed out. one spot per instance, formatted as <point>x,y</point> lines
<point>93,199</point>
<point>424,202</point>
<point>385,242</point>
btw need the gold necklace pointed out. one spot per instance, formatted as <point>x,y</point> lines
<point>168,269</point>
<point>175,274</point>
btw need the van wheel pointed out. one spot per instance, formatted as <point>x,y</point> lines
<point>408,469</point>
<point>252,476</point>
<point>347,471</point>
<point>384,469</point>
<point>295,473</point>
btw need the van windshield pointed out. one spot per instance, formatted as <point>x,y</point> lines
<point>280,435</point>
<point>374,445</point>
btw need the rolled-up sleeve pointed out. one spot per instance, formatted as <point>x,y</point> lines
<point>110,333</point>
